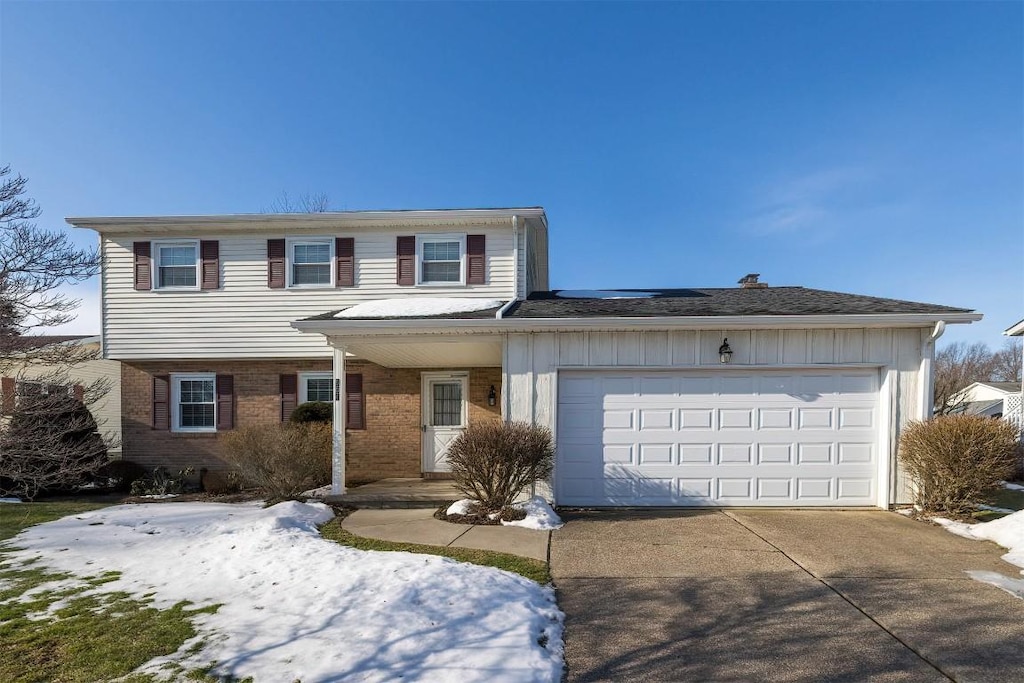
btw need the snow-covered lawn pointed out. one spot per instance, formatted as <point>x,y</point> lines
<point>297,606</point>
<point>1006,531</point>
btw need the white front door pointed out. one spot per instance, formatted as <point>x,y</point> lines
<point>444,416</point>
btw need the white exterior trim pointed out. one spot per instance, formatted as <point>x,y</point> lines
<point>289,261</point>
<point>303,383</point>
<point>422,239</point>
<point>176,379</point>
<point>338,436</point>
<point>155,264</point>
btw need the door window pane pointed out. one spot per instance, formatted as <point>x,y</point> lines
<point>447,404</point>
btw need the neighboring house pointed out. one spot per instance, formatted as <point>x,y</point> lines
<point>31,378</point>
<point>990,399</point>
<point>1014,408</point>
<point>417,323</point>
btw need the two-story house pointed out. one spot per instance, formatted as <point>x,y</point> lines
<point>417,323</point>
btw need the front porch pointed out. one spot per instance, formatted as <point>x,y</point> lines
<point>400,402</point>
<point>398,493</point>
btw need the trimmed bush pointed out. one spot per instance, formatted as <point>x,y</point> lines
<point>281,460</point>
<point>492,462</point>
<point>954,459</point>
<point>313,411</point>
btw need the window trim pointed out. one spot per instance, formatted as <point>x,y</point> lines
<point>155,264</point>
<point>176,379</point>
<point>289,258</point>
<point>441,237</point>
<point>303,387</point>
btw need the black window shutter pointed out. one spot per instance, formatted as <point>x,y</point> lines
<point>406,261</point>
<point>209,253</point>
<point>476,259</point>
<point>275,264</point>
<point>355,401</point>
<point>225,387</point>
<point>143,265</point>
<point>345,261</point>
<point>289,395</point>
<point>161,402</point>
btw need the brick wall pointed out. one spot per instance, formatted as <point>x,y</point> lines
<point>388,447</point>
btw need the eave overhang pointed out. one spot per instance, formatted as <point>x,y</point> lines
<point>349,327</point>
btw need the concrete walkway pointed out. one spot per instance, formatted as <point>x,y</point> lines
<point>420,526</point>
<point>779,595</point>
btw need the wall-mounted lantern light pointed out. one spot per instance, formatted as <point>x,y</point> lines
<point>492,397</point>
<point>724,352</point>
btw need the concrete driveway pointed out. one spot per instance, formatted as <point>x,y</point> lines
<point>780,595</point>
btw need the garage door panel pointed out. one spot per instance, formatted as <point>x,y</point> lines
<point>694,438</point>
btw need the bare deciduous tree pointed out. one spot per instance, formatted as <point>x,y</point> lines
<point>305,203</point>
<point>956,366</point>
<point>1007,362</point>
<point>48,438</point>
<point>34,264</point>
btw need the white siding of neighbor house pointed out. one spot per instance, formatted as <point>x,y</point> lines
<point>245,318</point>
<point>532,361</point>
<point>106,410</point>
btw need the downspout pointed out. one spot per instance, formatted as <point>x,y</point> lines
<point>505,383</point>
<point>927,397</point>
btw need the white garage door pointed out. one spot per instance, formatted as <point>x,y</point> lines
<point>729,437</point>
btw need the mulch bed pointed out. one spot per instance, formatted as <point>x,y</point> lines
<point>479,517</point>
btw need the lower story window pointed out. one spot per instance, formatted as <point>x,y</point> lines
<point>194,403</point>
<point>316,386</point>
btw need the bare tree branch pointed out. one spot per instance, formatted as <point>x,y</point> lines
<point>305,203</point>
<point>957,366</point>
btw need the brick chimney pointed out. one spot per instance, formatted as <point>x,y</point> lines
<point>749,281</point>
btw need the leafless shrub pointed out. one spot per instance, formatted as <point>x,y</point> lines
<point>281,460</point>
<point>954,459</point>
<point>492,462</point>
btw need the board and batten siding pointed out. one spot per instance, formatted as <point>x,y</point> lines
<point>244,318</point>
<point>532,361</point>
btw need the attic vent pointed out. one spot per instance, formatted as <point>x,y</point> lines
<point>749,281</point>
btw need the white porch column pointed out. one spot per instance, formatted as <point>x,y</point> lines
<point>338,440</point>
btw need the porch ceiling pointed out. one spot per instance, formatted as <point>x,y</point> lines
<point>413,353</point>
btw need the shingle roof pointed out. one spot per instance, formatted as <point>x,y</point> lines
<point>1003,386</point>
<point>733,301</point>
<point>37,341</point>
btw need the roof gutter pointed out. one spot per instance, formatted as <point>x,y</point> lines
<point>355,327</point>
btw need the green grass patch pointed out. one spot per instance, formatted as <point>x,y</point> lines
<point>535,570</point>
<point>1001,498</point>
<point>62,634</point>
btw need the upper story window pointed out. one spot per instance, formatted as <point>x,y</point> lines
<point>440,259</point>
<point>310,263</point>
<point>177,265</point>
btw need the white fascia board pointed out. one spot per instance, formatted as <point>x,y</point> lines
<point>277,221</point>
<point>1016,330</point>
<point>353,327</point>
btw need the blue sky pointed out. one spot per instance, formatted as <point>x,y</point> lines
<point>875,148</point>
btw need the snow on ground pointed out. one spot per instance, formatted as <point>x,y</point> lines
<point>601,294</point>
<point>321,492</point>
<point>993,508</point>
<point>10,500</point>
<point>296,606</point>
<point>539,515</point>
<point>1006,531</point>
<point>1013,487</point>
<point>460,507</point>
<point>417,307</point>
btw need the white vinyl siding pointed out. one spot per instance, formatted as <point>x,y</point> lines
<point>246,319</point>
<point>533,361</point>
